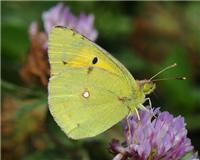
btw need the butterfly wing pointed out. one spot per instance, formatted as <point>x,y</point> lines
<point>70,49</point>
<point>85,105</point>
<point>86,85</point>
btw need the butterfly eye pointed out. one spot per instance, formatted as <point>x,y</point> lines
<point>95,60</point>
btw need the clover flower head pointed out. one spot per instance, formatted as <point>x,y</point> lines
<point>157,135</point>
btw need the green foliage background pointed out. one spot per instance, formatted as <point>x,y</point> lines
<point>172,34</point>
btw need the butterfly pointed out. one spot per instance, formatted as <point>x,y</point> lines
<point>89,90</point>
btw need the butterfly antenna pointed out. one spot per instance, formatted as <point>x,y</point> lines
<point>166,68</point>
<point>163,79</point>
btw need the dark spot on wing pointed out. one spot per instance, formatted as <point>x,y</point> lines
<point>64,62</point>
<point>60,27</point>
<point>122,99</point>
<point>95,60</point>
<point>90,69</point>
<point>73,33</point>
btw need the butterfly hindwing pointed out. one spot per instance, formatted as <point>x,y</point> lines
<point>82,106</point>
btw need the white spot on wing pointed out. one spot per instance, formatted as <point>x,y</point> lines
<point>86,94</point>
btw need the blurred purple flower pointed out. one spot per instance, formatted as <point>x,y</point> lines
<point>36,66</point>
<point>61,15</point>
<point>33,29</point>
<point>150,138</point>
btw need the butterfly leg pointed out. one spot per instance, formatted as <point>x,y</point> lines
<point>143,107</point>
<point>129,127</point>
<point>149,100</point>
<point>136,111</point>
<point>128,124</point>
<point>137,114</point>
<point>150,104</point>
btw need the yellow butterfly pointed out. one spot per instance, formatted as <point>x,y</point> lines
<point>89,90</point>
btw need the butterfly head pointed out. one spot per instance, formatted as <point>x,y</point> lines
<point>146,86</point>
